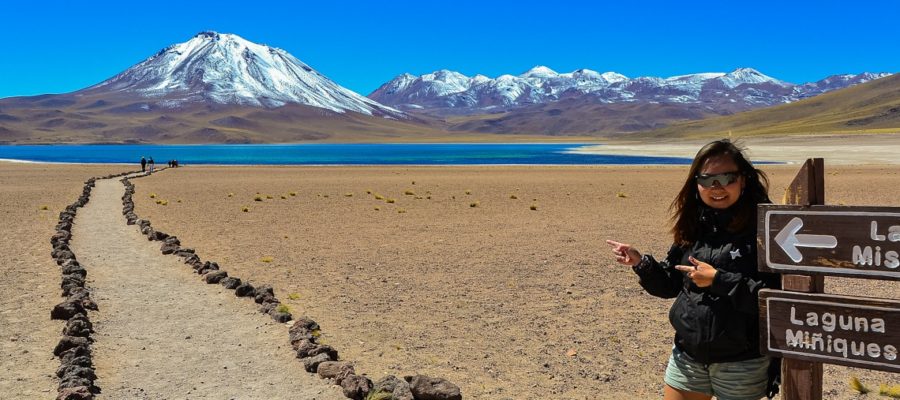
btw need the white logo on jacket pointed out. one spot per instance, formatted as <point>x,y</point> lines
<point>735,254</point>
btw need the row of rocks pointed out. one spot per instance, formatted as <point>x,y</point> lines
<point>303,333</point>
<point>76,371</point>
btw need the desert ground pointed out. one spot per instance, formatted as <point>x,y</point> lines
<point>31,278</point>
<point>458,277</point>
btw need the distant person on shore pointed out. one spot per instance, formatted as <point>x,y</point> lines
<point>152,164</point>
<point>143,164</point>
<point>711,271</point>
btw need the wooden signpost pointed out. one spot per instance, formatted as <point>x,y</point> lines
<point>805,240</point>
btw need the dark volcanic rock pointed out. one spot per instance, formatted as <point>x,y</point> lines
<point>215,276</point>
<point>397,388</point>
<point>75,393</point>
<point>356,387</point>
<point>428,388</point>
<point>312,363</point>
<point>244,290</point>
<point>230,282</point>
<point>66,310</point>
<point>333,369</point>
<point>69,342</point>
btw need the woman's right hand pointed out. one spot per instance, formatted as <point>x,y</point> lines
<point>625,254</point>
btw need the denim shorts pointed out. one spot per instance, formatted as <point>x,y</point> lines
<point>740,380</point>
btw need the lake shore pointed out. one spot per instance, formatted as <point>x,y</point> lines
<point>880,149</point>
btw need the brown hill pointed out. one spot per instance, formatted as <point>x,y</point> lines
<point>872,107</point>
<point>105,118</point>
<point>577,117</point>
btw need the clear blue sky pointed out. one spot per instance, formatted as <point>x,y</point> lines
<point>62,46</point>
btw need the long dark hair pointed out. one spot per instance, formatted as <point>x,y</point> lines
<point>685,208</point>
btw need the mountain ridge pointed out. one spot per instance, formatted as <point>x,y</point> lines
<point>446,92</point>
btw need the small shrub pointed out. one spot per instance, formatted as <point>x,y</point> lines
<point>230,194</point>
<point>378,197</point>
<point>283,308</point>
<point>856,385</point>
<point>257,198</point>
<point>391,201</point>
<point>292,194</point>
<point>428,197</point>
<point>889,391</point>
<point>369,191</point>
<point>409,192</point>
<point>348,194</point>
<point>283,197</point>
<point>379,395</point>
<point>179,200</point>
<point>269,196</point>
<point>622,195</point>
<point>152,195</point>
<point>468,192</point>
<point>413,182</point>
<point>44,208</point>
<point>474,204</point>
<point>514,197</point>
<point>267,259</point>
<point>325,196</point>
<point>163,202</point>
<point>533,207</point>
<point>245,209</point>
<point>401,211</point>
<point>377,208</point>
<point>294,296</point>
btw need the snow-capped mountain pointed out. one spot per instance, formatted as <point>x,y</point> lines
<point>742,89</point>
<point>226,69</point>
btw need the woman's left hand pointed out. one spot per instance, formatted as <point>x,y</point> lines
<point>701,273</point>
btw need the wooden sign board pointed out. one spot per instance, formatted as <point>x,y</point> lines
<point>860,242</point>
<point>843,330</point>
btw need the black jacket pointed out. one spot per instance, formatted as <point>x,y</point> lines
<point>718,323</point>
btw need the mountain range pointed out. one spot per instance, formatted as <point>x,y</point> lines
<point>221,88</point>
<point>452,93</point>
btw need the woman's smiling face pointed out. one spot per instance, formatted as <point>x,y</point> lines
<point>720,194</point>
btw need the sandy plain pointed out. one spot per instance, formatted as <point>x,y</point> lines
<point>31,279</point>
<point>506,301</point>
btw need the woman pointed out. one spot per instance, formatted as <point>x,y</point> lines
<point>712,272</point>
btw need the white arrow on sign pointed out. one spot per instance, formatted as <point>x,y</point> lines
<point>789,240</point>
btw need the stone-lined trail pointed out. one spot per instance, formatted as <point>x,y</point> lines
<point>161,333</point>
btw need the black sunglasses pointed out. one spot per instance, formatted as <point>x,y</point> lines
<point>723,179</point>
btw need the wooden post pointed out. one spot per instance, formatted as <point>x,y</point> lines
<point>802,380</point>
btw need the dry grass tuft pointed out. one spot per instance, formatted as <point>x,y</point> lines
<point>513,197</point>
<point>474,204</point>
<point>293,296</point>
<point>533,207</point>
<point>283,308</point>
<point>391,201</point>
<point>245,209</point>
<point>856,385</point>
<point>257,198</point>
<point>44,208</point>
<point>622,195</point>
<point>348,194</point>
<point>292,194</point>
<point>152,195</point>
<point>267,259</point>
<point>409,192</point>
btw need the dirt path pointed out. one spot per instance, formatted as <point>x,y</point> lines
<point>161,333</point>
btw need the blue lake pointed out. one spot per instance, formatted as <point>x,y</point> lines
<point>328,154</point>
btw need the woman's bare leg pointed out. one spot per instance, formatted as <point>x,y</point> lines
<point>670,393</point>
